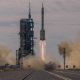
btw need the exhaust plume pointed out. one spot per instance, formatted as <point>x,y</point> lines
<point>42,50</point>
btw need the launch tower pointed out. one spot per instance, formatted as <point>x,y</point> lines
<point>26,37</point>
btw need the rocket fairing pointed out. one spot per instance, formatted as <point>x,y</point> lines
<point>42,31</point>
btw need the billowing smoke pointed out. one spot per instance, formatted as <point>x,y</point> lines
<point>67,47</point>
<point>72,53</point>
<point>34,62</point>
<point>74,58</point>
<point>6,56</point>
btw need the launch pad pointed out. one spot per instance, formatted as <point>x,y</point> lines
<point>27,38</point>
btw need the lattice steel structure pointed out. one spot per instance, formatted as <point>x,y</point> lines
<point>26,37</point>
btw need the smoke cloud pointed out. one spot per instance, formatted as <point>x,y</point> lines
<point>72,53</point>
<point>74,58</point>
<point>6,56</point>
<point>34,62</point>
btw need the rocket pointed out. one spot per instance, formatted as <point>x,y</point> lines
<point>42,31</point>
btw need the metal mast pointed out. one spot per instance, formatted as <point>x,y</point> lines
<point>29,16</point>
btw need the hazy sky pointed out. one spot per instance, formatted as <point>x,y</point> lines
<point>62,22</point>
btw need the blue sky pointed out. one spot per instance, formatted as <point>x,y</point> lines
<point>62,22</point>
